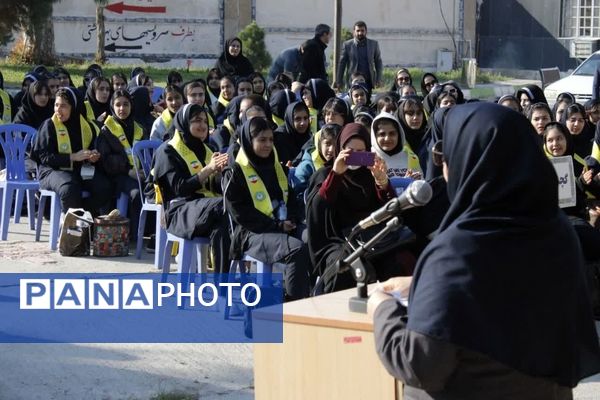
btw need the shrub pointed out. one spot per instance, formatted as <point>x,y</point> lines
<point>253,40</point>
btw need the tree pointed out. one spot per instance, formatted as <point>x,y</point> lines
<point>100,31</point>
<point>253,40</point>
<point>34,19</point>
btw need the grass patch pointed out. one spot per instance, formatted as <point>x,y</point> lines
<point>14,73</point>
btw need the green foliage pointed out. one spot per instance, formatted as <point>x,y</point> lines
<point>253,41</point>
<point>346,34</point>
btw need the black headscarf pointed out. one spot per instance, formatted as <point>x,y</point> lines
<point>142,107</point>
<point>264,167</point>
<point>424,90</point>
<point>414,137</point>
<point>30,113</point>
<point>433,134</point>
<point>234,66</point>
<point>504,277</point>
<point>288,140</point>
<point>280,101</point>
<point>97,107</point>
<point>128,123</point>
<point>1,81</point>
<point>181,122</point>
<point>533,92</point>
<point>63,71</point>
<point>320,92</point>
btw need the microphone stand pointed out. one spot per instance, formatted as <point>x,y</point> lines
<point>360,267</point>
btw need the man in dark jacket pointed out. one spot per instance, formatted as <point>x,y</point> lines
<point>360,54</point>
<point>313,59</point>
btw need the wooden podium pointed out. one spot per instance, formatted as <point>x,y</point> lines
<point>327,352</point>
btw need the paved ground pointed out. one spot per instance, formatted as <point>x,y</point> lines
<point>125,371</point>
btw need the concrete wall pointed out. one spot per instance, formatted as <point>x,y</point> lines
<point>185,29</point>
<point>409,32</point>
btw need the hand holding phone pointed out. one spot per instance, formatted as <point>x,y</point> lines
<point>361,158</point>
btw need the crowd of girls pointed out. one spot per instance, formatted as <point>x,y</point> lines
<point>280,150</point>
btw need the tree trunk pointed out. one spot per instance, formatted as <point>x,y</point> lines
<point>100,32</point>
<point>39,34</point>
<point>44,43</point>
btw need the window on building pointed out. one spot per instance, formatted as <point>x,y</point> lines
<point>581,18</point>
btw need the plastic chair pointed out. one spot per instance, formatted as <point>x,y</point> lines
<point>142,154</point>
<point>15,140</point>
<point>192,254</point>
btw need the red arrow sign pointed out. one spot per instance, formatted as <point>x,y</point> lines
<point>120,7</point>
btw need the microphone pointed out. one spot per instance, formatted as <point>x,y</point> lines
<point>417,194</point>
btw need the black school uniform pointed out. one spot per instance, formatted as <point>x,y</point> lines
<point>192,208</point>
<point>261,235</point>
<point>58,173</point>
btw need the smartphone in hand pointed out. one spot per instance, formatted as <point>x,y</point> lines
<point>361,158</point>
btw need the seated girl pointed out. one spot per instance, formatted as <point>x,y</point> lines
<point>558,143</point>
<point>97,100</point>
<point>115,142</point>
<point>187,174</point>
<point>411,116</point>
<point>540,115</point>
<point>339,196</point>
<point>389,143</point>
<point>294,134</point>
<point>314,159</point>
<point>227,93</point>
<point>263,208</point>
<point>65,153</point>
<point>174,101</point>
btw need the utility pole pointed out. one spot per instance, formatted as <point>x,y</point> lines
<point>337,32</point>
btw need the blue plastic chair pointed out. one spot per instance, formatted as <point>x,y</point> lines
<point>142,154</point>
<point>15,140</point>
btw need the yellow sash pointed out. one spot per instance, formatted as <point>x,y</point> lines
<point>278,121</point>
<point>596,151</point>
<point>7,112</point>
<point>318,162</point>
<point>117,130</point>
<point>258,191</point>
<point>63,139</point>
<point>167,118</point>
<point>89,111</point>
<point>413,160</point>
<point>191,159</point>
<point>222,100</point>
<point>314,115</point>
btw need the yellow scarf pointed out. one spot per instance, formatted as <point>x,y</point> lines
<point>258,191</point>
<point>167,118</point>
<point>64,141</point>
<point>7,112</point>
<point>117,130</point>
<point>191,160</point>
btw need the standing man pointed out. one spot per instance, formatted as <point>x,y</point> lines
<point>360,55</point>
<point>313,59</point>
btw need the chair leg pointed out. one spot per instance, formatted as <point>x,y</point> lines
<point>40,217</point>
<point>19,204</point>
<point>6,206</point>
<point>123,204</point>
<point>166,261</point>
<point>54,221</point>
<point>161,240</point>
<point>31,208</point>
<point>140,234</point>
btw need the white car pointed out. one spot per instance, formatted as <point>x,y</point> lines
<point>579,83</point>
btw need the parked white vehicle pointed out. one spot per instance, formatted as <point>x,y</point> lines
<point>579,83</point>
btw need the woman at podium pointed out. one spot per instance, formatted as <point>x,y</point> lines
<point>498,307</point>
